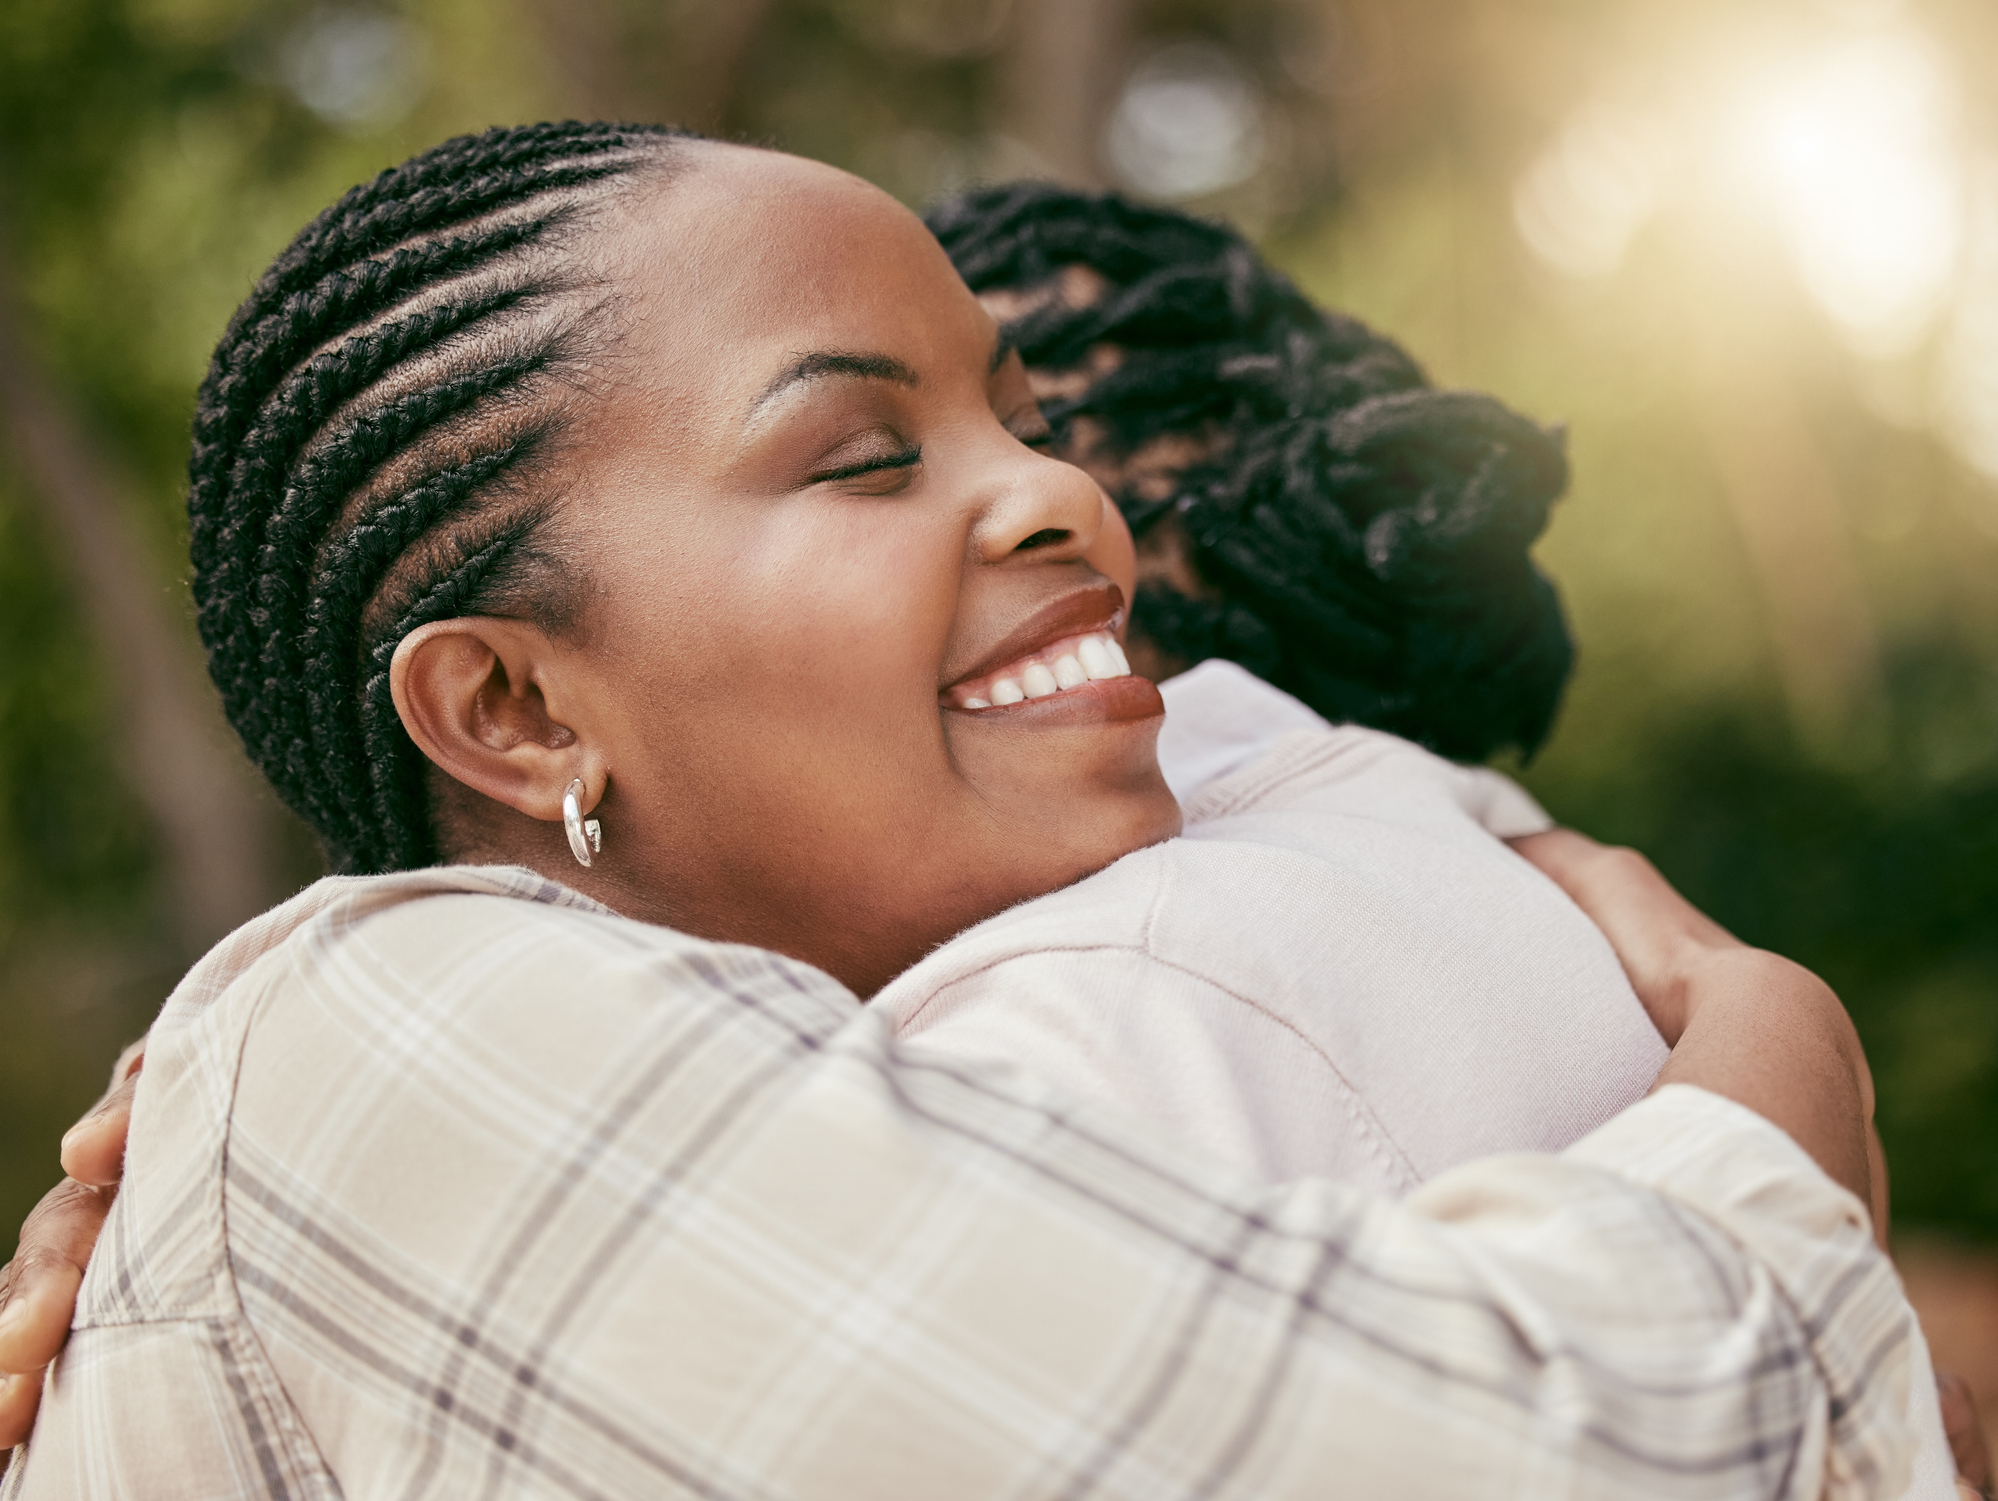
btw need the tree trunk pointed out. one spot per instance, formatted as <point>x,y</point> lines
<point>1059,80</point>
<point>217,823</point>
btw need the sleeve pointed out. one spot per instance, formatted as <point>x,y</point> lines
<point>555,1217</point>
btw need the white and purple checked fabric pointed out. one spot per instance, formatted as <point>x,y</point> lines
<point>452,1184</point>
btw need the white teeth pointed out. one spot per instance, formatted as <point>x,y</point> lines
<point>1091,658</point>
<point>1095,660</point>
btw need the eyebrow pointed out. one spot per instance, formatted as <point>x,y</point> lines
<point>826,362</point>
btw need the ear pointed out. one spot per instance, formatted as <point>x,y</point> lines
<point>474,696</point>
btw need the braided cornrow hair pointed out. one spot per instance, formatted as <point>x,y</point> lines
<point>371,453</point>
<point>1361,537</point>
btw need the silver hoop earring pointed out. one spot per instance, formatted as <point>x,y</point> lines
<point>586,835</point>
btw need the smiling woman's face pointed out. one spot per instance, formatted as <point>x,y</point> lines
<point>817,536</point>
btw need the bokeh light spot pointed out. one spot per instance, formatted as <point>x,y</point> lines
<point>353,67</point>
<point>1188,123</point>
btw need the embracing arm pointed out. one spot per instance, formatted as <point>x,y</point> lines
<point>723,1230</point>
<point>1741,1022</point>
<point>847,1258</point>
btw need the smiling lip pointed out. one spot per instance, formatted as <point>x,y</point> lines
<point>1119,700</point>
<point>1062,666</point>
<point>1094,611</point>
<point>1066,664</point>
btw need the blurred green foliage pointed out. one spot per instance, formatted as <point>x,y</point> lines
<point>155,153</point>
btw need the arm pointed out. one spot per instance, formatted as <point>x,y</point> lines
<point>727,1224</point>
<point>740,1241</point>
<point>1758,1029</point>
<point>1741,1022</point>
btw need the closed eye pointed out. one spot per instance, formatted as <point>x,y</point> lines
<point>907,458</point>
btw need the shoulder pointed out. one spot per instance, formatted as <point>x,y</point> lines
<point>1219,718</point>
<point>432,1094</point>
<point>1108,914</point>
<point>499,976</point>
<point>1190,917</point>
<point>366,1010</point>
<point>1367,773</point>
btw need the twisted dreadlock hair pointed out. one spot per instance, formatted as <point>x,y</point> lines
<point>372,451</point>
<point>1360,538</point>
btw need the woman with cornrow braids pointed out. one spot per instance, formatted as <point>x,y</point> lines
<point>636,557</point>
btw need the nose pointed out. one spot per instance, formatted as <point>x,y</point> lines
<point>1038,508</point>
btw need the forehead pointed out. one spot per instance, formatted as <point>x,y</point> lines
<point>742,260</point>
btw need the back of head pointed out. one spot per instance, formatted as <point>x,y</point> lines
<point>372,451</point>
<point>1360,538</point>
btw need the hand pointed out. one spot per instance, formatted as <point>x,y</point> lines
<point>38,1287</point>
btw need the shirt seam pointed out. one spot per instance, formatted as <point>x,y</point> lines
<point>1387,1152</point>
<point>1296,754</point>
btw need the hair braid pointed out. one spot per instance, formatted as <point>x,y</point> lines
<point>339,592</point>
<point>303,402</point>
<point>449,184</point>
<point>267,547</point>
<point>367,451</point>
<point>1363,538</point>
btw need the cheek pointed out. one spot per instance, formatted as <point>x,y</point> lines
<point>853,613</point>
<point>792,643</point>
<point>1113,554</point>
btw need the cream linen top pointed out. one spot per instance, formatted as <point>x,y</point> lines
<point>1340,970</point>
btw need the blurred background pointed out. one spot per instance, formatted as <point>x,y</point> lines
<point>1747,252</point>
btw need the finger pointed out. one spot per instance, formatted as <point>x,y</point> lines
<point>93,1150</point>
<point>36,1318</point>
<point>19,1397</point>
<point>1558,852</point>
<point>129,1062</point>
<point>1659,936</point>
<point>1619,889</point>
<point>43,1278</point>
<point>1962,1428</point>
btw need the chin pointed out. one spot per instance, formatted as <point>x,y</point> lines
<point>1150,815</point>
<point>1120,815</point>
<point>1134,821</point>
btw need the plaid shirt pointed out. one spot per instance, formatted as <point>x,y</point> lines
<point>454,1184</point>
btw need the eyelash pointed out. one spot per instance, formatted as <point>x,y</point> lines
<point>908,458</point>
